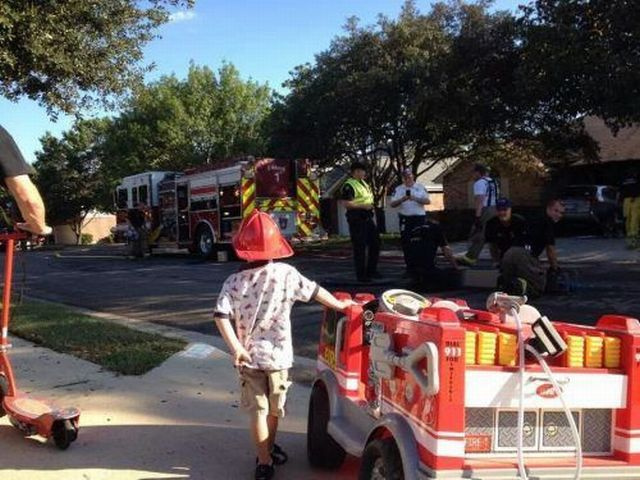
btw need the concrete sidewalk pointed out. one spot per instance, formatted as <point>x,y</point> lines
<point>179,421</point>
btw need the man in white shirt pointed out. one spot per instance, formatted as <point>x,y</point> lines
<point>485,195</point>
<point>411,197</point>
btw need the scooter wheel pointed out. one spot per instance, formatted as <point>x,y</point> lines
<point>64,432</point>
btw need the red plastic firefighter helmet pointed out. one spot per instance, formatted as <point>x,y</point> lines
<point>259,238</point>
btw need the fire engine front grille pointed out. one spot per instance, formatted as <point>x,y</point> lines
<point>508,430</point>
<point>556,432</point>
<point>490,430</point>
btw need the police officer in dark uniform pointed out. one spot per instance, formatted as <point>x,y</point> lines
<point>15,176</point>
<point>365,239</point>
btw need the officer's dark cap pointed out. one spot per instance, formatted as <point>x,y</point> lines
<point>358,166</point>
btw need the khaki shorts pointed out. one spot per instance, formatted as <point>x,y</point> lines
<point>264,391</point>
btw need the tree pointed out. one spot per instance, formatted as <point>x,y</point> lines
<point>582,57</point>
<point>173,124</point>
<point>401,93</point>
<point>74,54</point>
<point>68,174</point>
<point>418,90</point>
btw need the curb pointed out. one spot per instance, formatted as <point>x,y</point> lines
<point>163,330</point>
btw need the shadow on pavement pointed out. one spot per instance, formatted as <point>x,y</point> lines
<point>155,451</point>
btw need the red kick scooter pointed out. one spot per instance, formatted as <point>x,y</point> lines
<point>28,415</point>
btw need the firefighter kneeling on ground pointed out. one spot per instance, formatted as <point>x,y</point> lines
<point>521,272</point>
<point>423,244</point>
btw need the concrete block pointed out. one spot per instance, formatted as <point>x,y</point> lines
<point>480,278</point>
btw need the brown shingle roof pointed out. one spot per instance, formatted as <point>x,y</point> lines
<point>623,146</point>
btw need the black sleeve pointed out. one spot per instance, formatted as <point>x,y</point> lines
<point>549,234</point>
<point>520,234</point>
<point>441,240</point>
<point>347,193</point>
<point>12,162</point>
<point>490,231</point>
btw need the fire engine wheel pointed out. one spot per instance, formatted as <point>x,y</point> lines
<point>322,450</point>
<point>205,242</point>
<point>381,461</point>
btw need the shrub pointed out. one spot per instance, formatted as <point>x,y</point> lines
<point>86,239</point>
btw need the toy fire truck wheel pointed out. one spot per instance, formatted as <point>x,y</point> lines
<point>205,242</point>
<point>322,450</point>
<point>64,432</point>
<point>381,461</point>
<point>4,388</point>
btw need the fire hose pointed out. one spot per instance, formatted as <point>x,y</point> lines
<point>540,359</point>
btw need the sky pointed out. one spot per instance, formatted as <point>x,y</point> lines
<point>264,39</point>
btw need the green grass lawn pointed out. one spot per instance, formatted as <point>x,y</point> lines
<point>112,346</point>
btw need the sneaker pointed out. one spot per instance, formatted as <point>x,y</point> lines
<point>278,455</point>
<point>264,472</point>
<point>466,260</point>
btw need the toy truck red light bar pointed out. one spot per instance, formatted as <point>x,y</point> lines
<point>431,390</point>
<point>201,208</point>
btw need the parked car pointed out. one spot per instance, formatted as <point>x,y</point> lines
<point>593,205</point>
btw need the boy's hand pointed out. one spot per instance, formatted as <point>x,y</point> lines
<point>241,356</point>
<point>46,230</point>
<point>346,304</point>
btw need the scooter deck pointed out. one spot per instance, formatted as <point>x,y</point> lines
<point>27,407</point>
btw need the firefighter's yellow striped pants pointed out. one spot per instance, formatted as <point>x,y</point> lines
<point>631,212</point>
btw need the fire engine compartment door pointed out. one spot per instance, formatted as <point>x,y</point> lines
<point>499,389</point>
<point>182,200</point>
<point>275,178</point>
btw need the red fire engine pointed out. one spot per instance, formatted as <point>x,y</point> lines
<point>425,389</point>
<point>201,208</point>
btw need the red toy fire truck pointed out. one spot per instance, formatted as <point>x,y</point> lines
<point>425,388</point>
<point>200,208</point>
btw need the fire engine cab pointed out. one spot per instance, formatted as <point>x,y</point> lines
<point>201,208</point>
<point>429,388</point>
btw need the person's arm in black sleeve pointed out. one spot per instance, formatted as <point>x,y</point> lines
<point>550,247</point>
<point>29,203</point>
<point>15,172</point>
<point>490,237</point>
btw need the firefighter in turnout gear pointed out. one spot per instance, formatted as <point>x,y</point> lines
<point>365,239</point>
<point>631,209</point>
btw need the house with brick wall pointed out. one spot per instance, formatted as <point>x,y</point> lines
<point>618,155</point>
<point>525,189</point>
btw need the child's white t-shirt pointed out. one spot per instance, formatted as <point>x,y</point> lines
<point>259,300</point>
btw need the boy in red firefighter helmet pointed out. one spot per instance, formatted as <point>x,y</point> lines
<point>258,298</point>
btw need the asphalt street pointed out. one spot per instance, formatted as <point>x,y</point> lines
<point>180,290</point>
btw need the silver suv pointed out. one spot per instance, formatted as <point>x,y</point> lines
<point>595,205</point>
